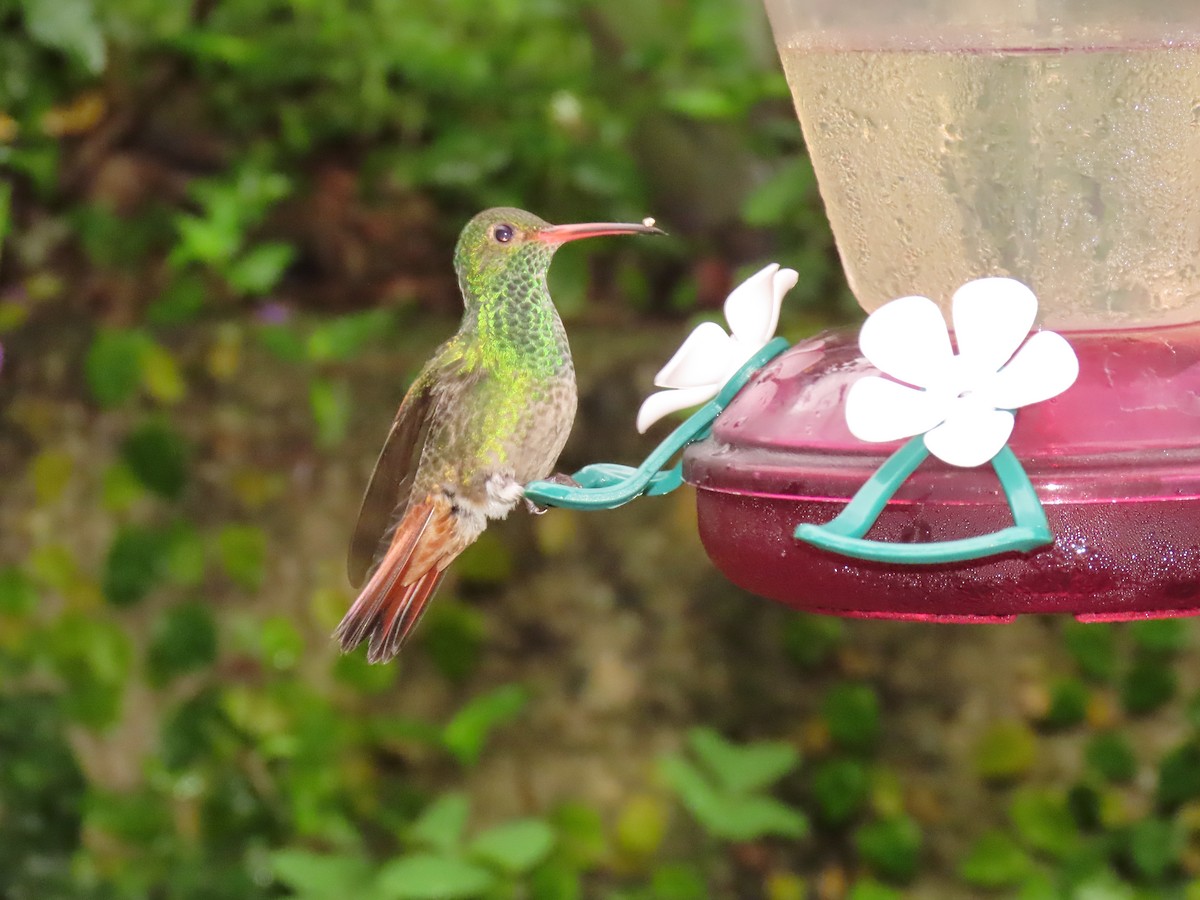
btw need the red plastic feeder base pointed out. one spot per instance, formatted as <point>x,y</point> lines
<point>1114,461</point>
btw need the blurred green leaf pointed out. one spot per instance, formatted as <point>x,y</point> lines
<point>452,634</point>
<point>1148,685</point>
<point>441,824</point>
<point>742,768</point>
<point>160,374</point>
<point>344,337</point>
<point>641,826</point>
<point>851,714</point>
<point>93,657</point>
<point>776,199</point>
<point>424,876</point>
<point>995,861</point>
<point>1005,750</point>
<point>1043,821</point>
<point>137,562</point>
<point>319,876</point>
<point>1161,636</point>
<point>678,881</point>
<point>330,402</point>
<point>735,817</point>
<point>158,457</point>
<point>352,669</point>
<point>181,301</point>
<point>50,471</point>
<point>184,639</point>
<point>113,365</point>
<point>1068,703</point>
<point>186,558</point>
<point>581,835</point>
<point>467,732</point>
<point>873,890</point>
<point>555,880</point>
<point>514,847</point>
<point>809,640</point>
<point>18,594</point>
<point>840,787</point>
<point>891,847</point>
<point>1093,646</point>
<point>282,341</point>
<point>69,26</point>
<point>487,561</point>
<point>259,269</point>
<point>1154,847</point>
<point>243,554</point>
<point>1111,755</point>
<point>280,642</point>
<point>121,489</point>
<point>1179,775</point>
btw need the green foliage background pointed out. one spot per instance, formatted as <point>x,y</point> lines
<point>226,229</point>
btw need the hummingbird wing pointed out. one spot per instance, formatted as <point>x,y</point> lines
<point>387,493</point>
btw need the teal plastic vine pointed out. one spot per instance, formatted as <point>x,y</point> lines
<point>609,485</point>
<point>844,534</point>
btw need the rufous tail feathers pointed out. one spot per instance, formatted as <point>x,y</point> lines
<point>394,597</point>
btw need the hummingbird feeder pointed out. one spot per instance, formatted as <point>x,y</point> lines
<point>1014,186</point>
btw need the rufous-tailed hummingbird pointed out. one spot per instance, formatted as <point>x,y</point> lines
<point>488,413</point>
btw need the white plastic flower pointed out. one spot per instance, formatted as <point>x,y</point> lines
<point>961,402</point>
<point>710,357</point>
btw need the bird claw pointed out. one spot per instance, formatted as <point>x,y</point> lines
<point>557,478</point>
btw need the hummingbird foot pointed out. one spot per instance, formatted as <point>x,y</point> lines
<point>557,478</point>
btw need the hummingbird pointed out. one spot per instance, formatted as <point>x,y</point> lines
<point>488,413</point>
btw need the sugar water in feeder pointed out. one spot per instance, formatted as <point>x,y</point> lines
<point>1014,192</point>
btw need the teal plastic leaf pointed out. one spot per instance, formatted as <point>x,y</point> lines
<point>514,847</point>
<point>466,734</point>
<point>426,876</point>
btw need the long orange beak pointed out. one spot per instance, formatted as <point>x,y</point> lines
<point>560,234</point>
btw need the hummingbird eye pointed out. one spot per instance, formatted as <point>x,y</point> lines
<point>503,233</point>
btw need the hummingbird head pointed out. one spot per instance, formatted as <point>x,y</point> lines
<point>503,243</point>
